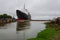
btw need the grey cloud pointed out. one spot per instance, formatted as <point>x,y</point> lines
<point>39,9</point>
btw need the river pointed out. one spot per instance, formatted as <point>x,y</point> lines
<point>10,31</point>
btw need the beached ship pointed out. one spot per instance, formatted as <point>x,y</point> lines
<point>23,15</point>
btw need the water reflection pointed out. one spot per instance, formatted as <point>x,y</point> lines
<point>22,25</point>
<point>21,30</point>
<point>2,26</point>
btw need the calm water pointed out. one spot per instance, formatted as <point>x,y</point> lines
<point>12,31</point>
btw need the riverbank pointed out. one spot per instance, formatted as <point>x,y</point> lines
<point>4,19</point>
<point>52,32</point>
<point>3,22</point>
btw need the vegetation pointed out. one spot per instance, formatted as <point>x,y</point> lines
<point>47,34</point>
<point>52,31</point>
<point>5,16</point>
<point>4,19</point>
<point>54,25</point>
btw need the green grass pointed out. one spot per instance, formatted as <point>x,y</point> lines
<point>45,34</point>
<point>52,32</point>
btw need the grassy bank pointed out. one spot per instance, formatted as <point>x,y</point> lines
<point>51,32</point>
<point>56,26</point>
<point>47,34</point>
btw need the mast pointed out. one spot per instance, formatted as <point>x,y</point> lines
<point>24,6</point>
<point>29,16</point>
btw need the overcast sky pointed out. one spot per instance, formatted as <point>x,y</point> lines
<point>39,9</point>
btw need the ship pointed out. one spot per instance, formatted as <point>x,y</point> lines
<point>23,15</point>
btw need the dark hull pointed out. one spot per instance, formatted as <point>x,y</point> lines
<point>21,15</point>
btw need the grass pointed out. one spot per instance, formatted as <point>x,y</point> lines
<point>52,32</point>
<point>45,34</point>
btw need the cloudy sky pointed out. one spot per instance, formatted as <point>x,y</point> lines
<point>39,9</point>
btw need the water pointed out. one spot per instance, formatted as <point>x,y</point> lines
<point>11,31</point>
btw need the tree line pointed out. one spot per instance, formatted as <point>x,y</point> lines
<point>5,16</point>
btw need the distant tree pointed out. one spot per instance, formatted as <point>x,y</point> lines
<point>4,15</point>
<point>1,16</point>
<point>9,16</point>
